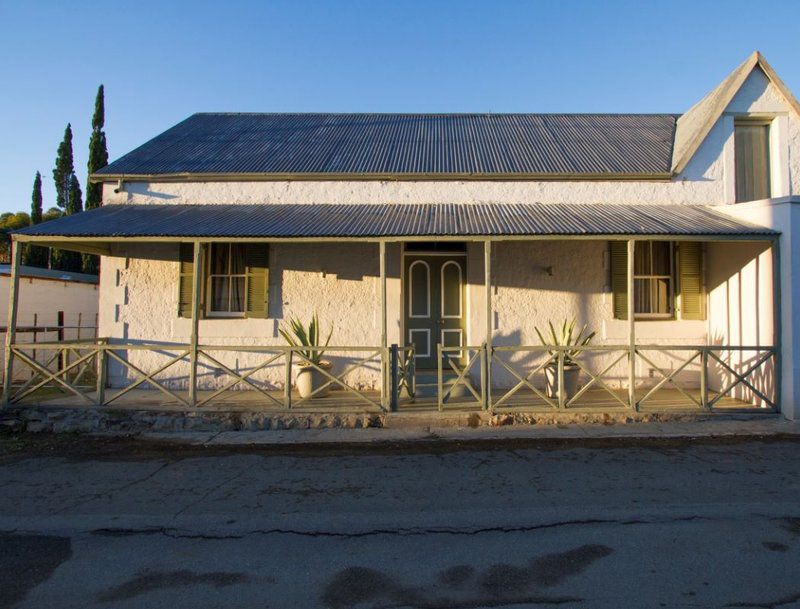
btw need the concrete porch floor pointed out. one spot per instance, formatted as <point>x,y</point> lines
<point>592,401</point>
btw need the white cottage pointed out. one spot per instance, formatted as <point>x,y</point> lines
<point>435,246</point>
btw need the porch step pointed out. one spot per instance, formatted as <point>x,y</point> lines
<point>428,420</point>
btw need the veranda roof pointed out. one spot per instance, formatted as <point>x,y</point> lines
<point>287,221</point>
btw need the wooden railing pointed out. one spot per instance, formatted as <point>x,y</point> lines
<point>614,366</point>
<point>67,373</point>
<point>462,361</point>
<point>469,377</point>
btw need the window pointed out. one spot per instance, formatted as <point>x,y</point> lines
<point>227,278</point>
<point>665,275</point>
<point>751,148</point>
<point>653,279</point>
<point>235,281</point>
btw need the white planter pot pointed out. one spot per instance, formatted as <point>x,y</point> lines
<point>571,376</point>
<point>309,379</point>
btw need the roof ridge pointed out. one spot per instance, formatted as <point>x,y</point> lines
<point>361,113</point>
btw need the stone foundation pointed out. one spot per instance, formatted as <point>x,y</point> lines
<point>94,420</point>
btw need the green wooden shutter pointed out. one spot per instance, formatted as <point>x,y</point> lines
<point>690,271</point>
<point>619,278</point>
<point>257,260</point>
<point>185,280</point>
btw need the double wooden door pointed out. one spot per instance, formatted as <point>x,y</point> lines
<point>435,304</point>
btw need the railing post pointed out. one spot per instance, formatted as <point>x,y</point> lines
<point>487,274</point>
<point>484,367</point>
<point>11,326</point>
<point>704,378</point>
<point>411,373</point>
<point>197,286</point>
<point>777,338</point>
<point>287,380</point>
<point>631,326</point>
<point>562,395</point>
<point>385,398</point>
<point>439,384</point>
<point>101,373</point>
<point>395,394</point>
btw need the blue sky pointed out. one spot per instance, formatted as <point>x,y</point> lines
<point>162,61</point>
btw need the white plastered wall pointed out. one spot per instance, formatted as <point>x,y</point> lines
<point>339,282</point>
<point>40,300</point>
<point>533,282</point>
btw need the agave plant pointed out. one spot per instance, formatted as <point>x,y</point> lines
<point>296,334</point>
<point>566,337</point>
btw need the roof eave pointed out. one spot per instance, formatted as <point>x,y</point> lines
<point>376,177</point>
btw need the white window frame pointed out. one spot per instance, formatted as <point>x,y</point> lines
<point>671,278</point>
<point>210,283</point>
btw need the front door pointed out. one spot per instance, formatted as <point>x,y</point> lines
<point>435,304</point>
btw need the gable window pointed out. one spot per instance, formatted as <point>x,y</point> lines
<point>234,282</point>
<point>751,148</point>
<point>665,274</point>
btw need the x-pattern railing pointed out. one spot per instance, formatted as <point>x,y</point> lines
<point>669,376</point>
<point>373,356</point>
<point>617,354</point>
<point>763,356</point>
<point>67,373</point>
<point>43,374</point>
<point>524,379</point>
<point>70,365</point>
<point>555,361</point>
<point>461,361</point>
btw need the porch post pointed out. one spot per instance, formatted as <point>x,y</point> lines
<point>487,274</point>
<point>11,325</point>
<point>777,343</point>
<point>384,346</point>
<point>197,285</point>
<point>631,328</point>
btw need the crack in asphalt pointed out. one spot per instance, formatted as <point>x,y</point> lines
<point>780,602</point>
<point>175,533</point>
<point>208,493</point>
<point>109,492</point>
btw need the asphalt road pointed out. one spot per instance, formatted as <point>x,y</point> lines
<point>107,524</point>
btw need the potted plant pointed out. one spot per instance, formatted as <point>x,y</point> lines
<point>309,379</point>
<point>565,337</point>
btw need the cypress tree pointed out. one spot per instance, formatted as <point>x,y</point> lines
<point>62,176</point>
<point>72,261</point>
<point>75,197</point>
<point>98,151</point>
<point>33,254</point>
<point>36,199</point>
<point>64,169</point>
<point>98,158</point>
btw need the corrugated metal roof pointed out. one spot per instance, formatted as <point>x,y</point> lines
<point>37,273</point>
<point>393,220</point>
<point>407,144</point>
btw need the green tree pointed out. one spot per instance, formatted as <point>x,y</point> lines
<point>62,177</point>
<point>98,158</point>
<point>75,197</point>
<point>36,199</point>
<point>34,255</point>
<point>72,261</point>
<point>64,169</point>
<point>52,214</point>
<point>98,151</point>
<point>9,222</point>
